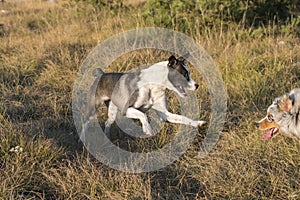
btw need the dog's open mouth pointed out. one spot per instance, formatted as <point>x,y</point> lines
<point>270,133</point>
<point>181,90</point>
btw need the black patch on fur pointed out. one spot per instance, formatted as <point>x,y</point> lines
<point>297,117</point>
<point>292,98</point>
<point>179,66</point>
<point>106,85</point>
<point>125,92</point>
<point>172,61</point>
<point>177,79</point>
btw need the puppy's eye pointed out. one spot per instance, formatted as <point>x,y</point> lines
<point>186,75</point>
<point>270,118</point>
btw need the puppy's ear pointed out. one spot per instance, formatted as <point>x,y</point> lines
<point>172,61</point>
<point>181,59</point>
<point>286,103</point>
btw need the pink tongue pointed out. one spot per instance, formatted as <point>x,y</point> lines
<point>268,135</point>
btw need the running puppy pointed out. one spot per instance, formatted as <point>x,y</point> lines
<point>282,116</point>
<point>133,94</point>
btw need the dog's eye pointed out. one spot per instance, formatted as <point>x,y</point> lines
<point>270,118</point>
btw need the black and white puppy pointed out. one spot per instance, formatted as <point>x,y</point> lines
<point>133,94</point>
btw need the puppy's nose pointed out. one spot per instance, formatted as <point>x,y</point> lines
<point>257,124</point>
<point>196,85</point>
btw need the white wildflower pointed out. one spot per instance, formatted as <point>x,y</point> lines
<point>16,149</point>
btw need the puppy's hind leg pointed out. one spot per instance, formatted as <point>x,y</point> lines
<point>90,110</point>
<point>88,116</point>
<point>112,114</point>
<point>84,127</point>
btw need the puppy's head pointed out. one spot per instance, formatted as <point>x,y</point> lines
<point>278,117</point>
<point>179,76</point>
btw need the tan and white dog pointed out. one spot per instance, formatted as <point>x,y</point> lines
<point>283,116</point>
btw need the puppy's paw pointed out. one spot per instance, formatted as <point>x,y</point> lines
<point>147,130</point>
<point>147,134</point>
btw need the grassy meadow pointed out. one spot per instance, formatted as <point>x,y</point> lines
<point>42,46</point>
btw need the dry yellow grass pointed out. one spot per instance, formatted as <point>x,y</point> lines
<point>42,45</point>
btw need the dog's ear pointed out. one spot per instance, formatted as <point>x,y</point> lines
<point>172,61</point>
<point>286,103</point>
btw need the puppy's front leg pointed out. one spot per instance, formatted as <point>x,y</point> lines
<point>165,115</point>
<point>179,119</point>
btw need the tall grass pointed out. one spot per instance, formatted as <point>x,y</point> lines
<point>42,45</point>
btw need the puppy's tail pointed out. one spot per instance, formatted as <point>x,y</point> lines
<point>98,72</point>
<point>90,111</point>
